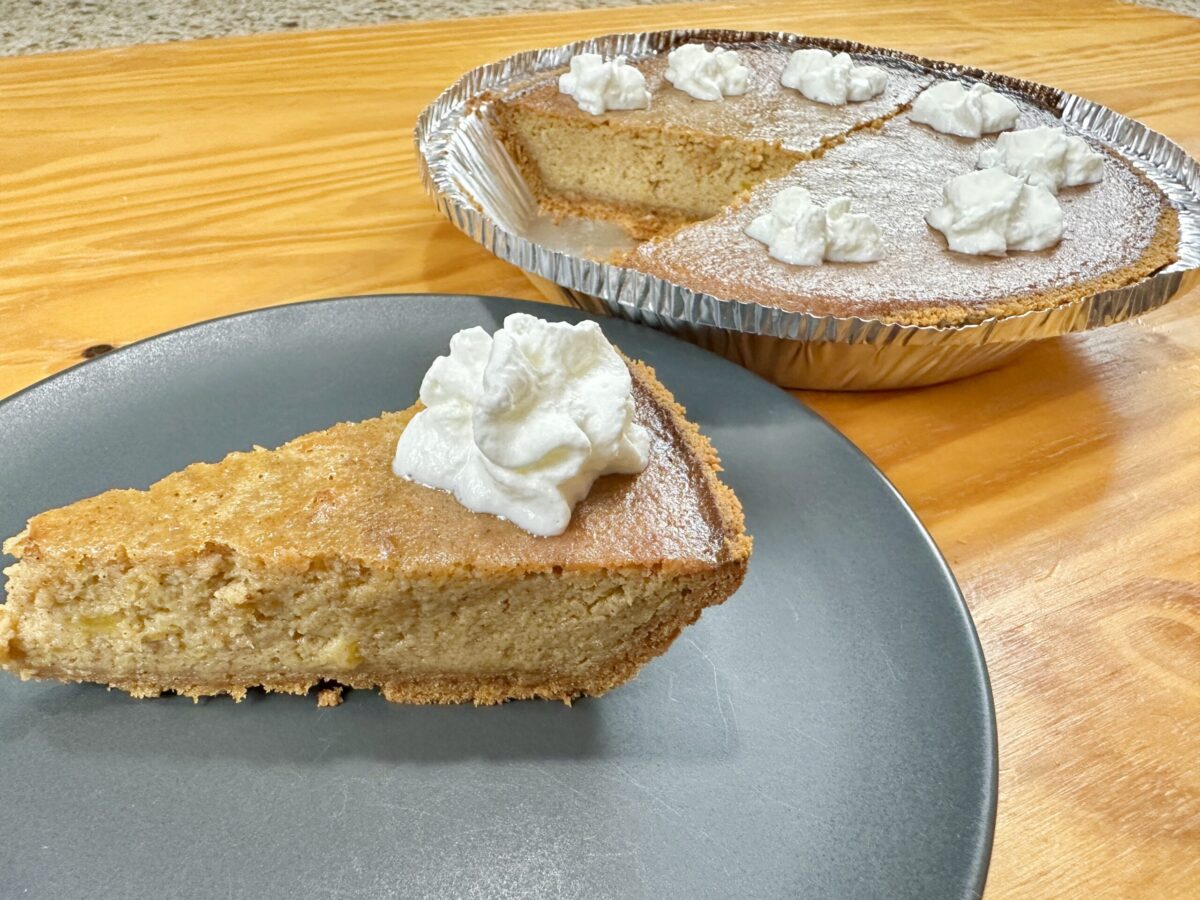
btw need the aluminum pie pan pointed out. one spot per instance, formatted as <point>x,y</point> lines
<point>477,186</point>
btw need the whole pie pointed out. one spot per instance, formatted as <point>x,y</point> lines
<point>686,176</point>
<point>313,563</point>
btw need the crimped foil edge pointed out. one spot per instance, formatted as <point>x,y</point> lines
<point>657,302</point>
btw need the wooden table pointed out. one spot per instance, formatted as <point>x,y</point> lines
<point>146,188</point>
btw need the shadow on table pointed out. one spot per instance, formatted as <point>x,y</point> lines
<point>1053,411</point>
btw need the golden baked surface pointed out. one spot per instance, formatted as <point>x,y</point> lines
<point>314,564</point>
<point>332,494</point>
<point>768,112</point>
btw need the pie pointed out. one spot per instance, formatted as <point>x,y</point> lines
<point>313,564</point>
<point>685,177</point>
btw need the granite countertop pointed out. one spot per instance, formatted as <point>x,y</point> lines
<point>38,26</point>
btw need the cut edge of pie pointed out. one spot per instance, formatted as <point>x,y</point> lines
<point>177,611</point>
<point>577,167</point>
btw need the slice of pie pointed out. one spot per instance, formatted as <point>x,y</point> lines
<point>313,563</point>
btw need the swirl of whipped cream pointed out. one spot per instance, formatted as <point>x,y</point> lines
<point>707,74</point>
<point>598,85</point>
<point>802,233</point>
<point>1045,156</point>
<point>952,107</point>
<point>991,212</point>
<point>832,80</point>
<point>521,423</point>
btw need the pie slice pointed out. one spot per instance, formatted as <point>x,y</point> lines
<point>313,563</point>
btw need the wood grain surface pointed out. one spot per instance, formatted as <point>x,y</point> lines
<point>146,188</point>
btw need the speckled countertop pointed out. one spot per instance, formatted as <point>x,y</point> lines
<point>38,26</point>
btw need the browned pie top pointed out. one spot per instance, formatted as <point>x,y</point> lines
<point>767,112</point>
<point>1114,233</point>
<point>332,494</point>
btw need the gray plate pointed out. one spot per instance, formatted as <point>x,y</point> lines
<point>828,732</point>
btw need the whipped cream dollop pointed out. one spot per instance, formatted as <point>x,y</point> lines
<point>952,107</point>
<point>1045,156</point>
<point>833,80</point>
<point>803,233</point>
<point>521,423</point>
<point>598,85</point>
<point>992,212</point>
<point>707,74</point>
